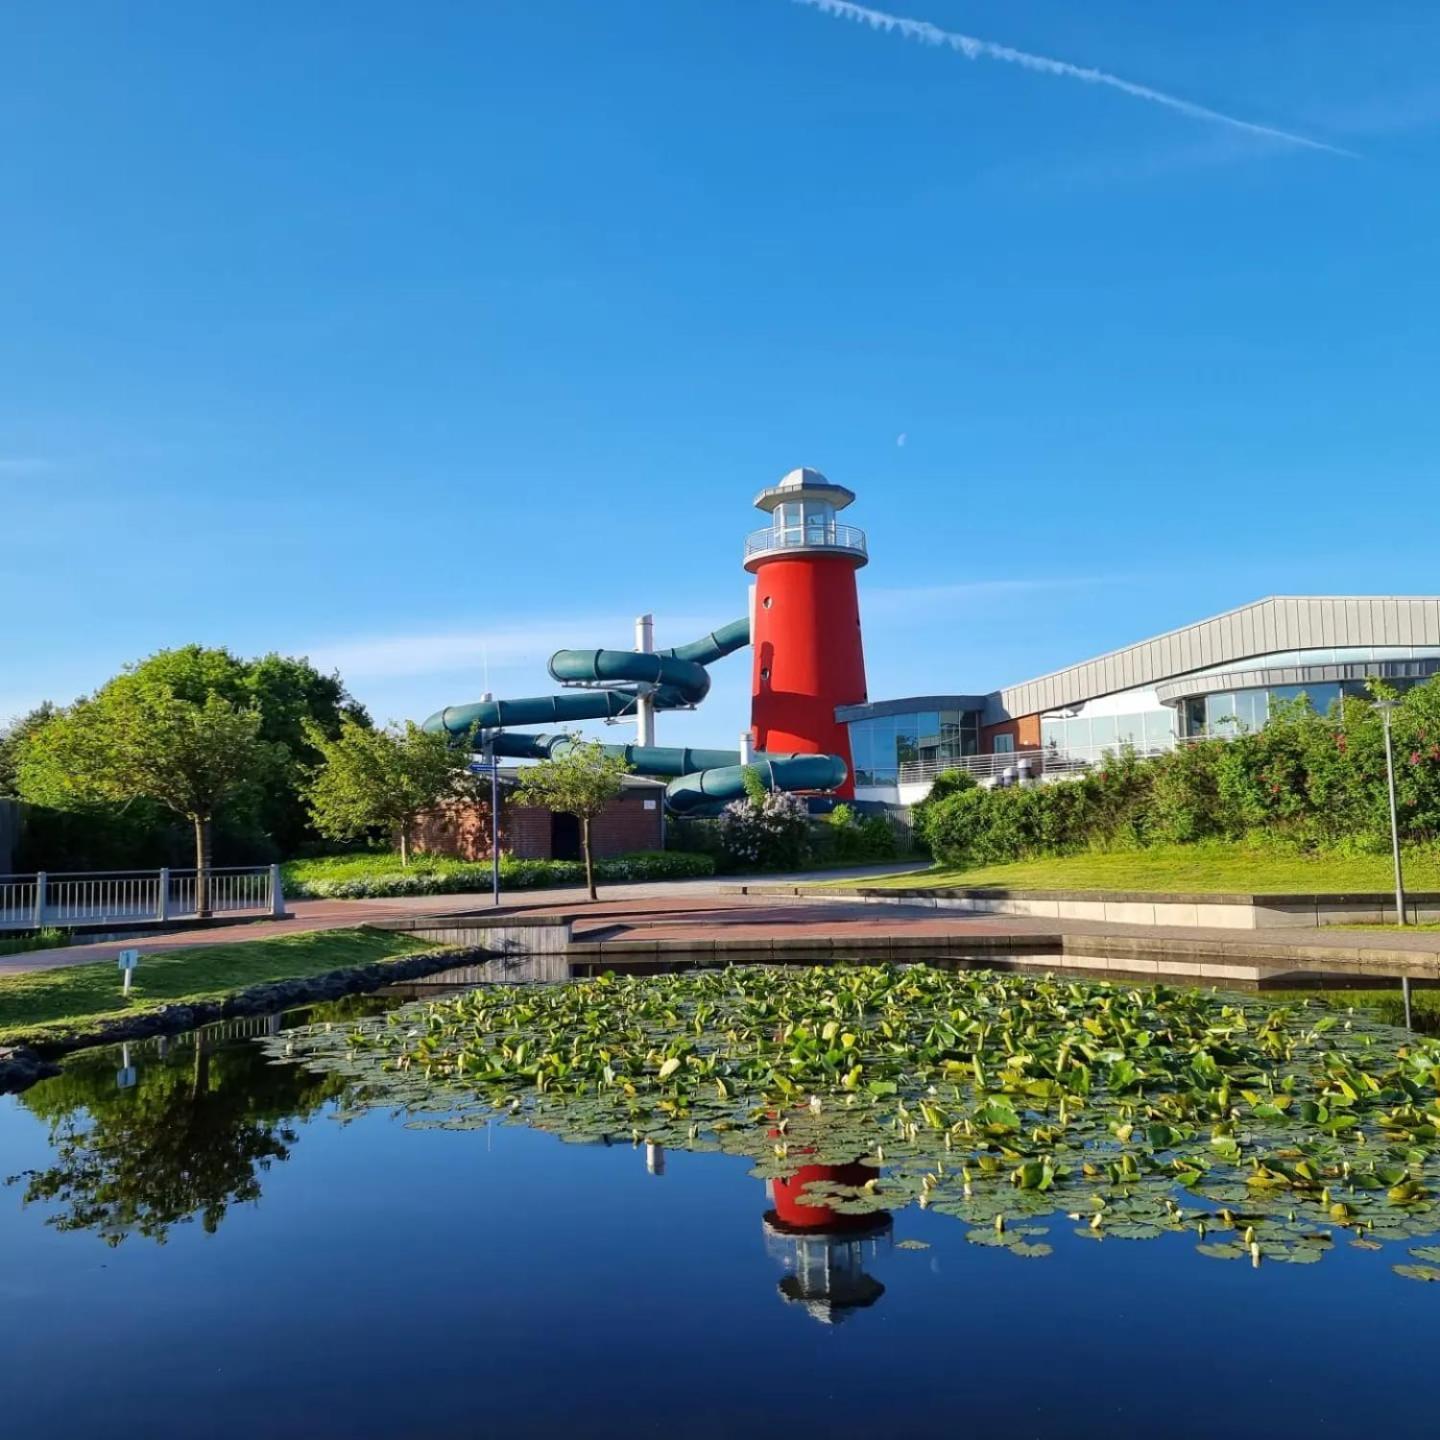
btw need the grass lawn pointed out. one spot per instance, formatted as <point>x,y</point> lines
<point>362,864</point>
<point>1184,868</point>
<point>379,873</point>
<point>51,1003</point>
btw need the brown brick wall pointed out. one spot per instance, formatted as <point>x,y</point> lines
<point>1025,729</point>
<point>627,825</point>
<point>525,832</point>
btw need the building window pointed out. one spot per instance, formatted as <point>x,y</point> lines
<point>1004,744</point>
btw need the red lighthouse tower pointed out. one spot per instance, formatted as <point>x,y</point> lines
<point>806,626</point>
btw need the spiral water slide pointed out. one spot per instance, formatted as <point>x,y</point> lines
<point>605,685</point>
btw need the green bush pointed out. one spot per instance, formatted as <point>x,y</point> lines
<point>848,837</point>
<point>1305,781</point>
<point>376,876</point>
<point>946,784</point>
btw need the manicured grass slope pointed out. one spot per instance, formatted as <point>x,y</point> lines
<point>1184,868</point>
<point>63,998</point>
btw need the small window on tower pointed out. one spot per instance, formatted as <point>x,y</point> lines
<point>766,602</point>
<point>765,673</point>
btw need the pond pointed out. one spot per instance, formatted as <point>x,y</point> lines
<point>195,1240</point>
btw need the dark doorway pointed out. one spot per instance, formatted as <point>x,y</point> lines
<point>564,837</point>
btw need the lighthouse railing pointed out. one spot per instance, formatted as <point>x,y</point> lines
<point>806,537</point>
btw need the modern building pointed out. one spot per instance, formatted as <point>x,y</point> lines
<point>1215,677</point>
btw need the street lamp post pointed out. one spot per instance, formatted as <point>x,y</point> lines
<point>1386,708</point>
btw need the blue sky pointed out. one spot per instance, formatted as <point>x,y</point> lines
<point>414,336</point>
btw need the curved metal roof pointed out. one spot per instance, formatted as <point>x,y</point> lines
<point>1273,625</point>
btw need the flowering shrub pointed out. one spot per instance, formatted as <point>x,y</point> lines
<point>768,831</point>
<point>379,877</point>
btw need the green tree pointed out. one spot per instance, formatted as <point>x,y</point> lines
<point>292,697</point>
<point>12,739</point>
<point>136,739</point>
<point>383,779</point>
<point>580,781</point>
<point>264,818</point>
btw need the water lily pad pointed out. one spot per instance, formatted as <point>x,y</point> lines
<point>1427,1273</point>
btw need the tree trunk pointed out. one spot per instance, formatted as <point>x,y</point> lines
<point>589,859</point>
<point>202,867</point>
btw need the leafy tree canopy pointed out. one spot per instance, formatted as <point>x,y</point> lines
<point>580,781</point>
<point>289,697</point>
<point>385,779</point>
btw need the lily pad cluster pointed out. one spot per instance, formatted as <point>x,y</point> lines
<point>1270,1131</point>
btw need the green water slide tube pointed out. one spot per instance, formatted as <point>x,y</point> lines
<point>701,780</point>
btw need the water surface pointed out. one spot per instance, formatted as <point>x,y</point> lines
<point>191,1245</point>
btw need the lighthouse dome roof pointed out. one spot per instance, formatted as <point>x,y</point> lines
<point>804,483</point>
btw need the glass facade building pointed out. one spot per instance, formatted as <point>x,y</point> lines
<point>1221,677</point>
<point>1146,731</point>
<point>881,745</point>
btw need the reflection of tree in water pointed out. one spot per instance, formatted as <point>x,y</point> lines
<point>187,1139</point>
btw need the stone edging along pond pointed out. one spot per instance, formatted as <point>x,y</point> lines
<point>21,1066</point>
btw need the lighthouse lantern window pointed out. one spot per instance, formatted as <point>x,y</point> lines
<point>819,522</point>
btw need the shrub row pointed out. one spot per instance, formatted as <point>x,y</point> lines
<point>755,837</point>
<point>307,880</point>
<point>1306,781</point>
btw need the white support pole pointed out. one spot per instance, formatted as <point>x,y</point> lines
<point>747,748</point>
<point>277,893</point>
<point>644,705</point>
<point>162,896</point>
<point>40,881</point>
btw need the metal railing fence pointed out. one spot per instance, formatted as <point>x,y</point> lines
<point>134,897</point>
<point>806,537</point>
<point>1047,760</point>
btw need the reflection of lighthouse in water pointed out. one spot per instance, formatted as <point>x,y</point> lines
<point>825,1252</point>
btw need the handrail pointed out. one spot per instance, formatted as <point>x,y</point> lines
<point>1048,759</point>
<point>829,536</point>
<point>136,897</point>
<point>125,874</point>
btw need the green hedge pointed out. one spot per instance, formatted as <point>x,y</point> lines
<point>371,876</point>
<point>1305,781</point>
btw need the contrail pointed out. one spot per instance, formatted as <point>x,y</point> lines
<point>973,48</point>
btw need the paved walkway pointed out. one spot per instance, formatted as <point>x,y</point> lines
<point>309,915</point>
<point>701,914</point>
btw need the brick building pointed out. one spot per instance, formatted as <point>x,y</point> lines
<point>635,821</point>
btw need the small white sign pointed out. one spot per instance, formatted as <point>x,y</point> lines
<point>650,804</point>
<point>129,959</point>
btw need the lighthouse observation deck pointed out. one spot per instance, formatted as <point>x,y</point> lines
<point>813,536</point>
<point>802,509</point>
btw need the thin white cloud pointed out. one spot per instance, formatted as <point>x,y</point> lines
<point>880,602</point>
<point>901,438</point>
<point>510,645</point>
<point>974,48</point>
